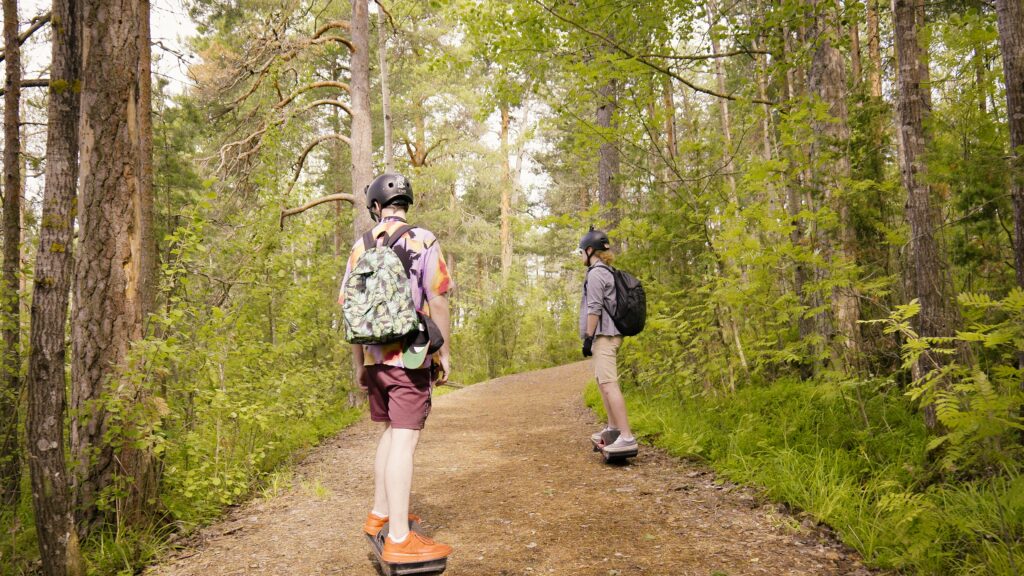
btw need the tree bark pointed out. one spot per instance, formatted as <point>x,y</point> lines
<point>107,314</point>
<point>723,108</point>
<point>382,57</point>
<point>1010,16</point>
<point>854,31</point>
<point>47,385</point>
<point>138,462</point>
<point>10,383</point>
<point>938,316</point>
<point>506,193</point>
<point>794,205</point>
<point>874,51</point>
<point>828,82</point>
<point>362,127</point>
<point>608,154</point>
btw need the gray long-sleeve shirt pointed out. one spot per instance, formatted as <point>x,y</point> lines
<point>598,298</point>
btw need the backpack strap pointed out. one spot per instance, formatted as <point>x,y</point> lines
<point>390,241</point>
<point>370,241</point>
<point>604,306</point>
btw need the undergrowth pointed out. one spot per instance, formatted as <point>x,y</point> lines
<point>862,468</point>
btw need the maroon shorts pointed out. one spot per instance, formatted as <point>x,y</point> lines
<point>398,396</point>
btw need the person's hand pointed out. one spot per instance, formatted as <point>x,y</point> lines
<point>446,368</point>
<point>361,378</point>
<point>588,345</point>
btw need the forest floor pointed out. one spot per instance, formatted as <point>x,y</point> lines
<point>506,475</point>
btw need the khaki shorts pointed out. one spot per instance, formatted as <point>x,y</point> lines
<point>606,350</point>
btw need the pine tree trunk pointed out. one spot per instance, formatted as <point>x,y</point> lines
<point>362,126</point>
<point>148,275</point>
<point>506,193</point>
<point>385,91</point>
<point>51,498</point>
<point>107,314</point>
<point>938,316</point>
<point>1010,15</point>
<point>828,83</point>
<point>608,154</point>
<point>874,51</point>
<point>854,31</point>
<point>10,383</point>
<point>138,462</point>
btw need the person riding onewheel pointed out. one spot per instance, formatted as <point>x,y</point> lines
<point>397,319</point>
<point>602,339</point>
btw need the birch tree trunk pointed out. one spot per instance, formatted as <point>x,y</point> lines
<point>362,135</point>
<point>10,384</point>
<point>51,498</point>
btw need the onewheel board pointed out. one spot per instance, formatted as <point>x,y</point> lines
<point>608,437</point>
<point>390,569</point>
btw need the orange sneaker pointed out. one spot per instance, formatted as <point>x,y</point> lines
<point>415,548</point>
<point>374,523</point>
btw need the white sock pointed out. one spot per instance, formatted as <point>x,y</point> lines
<point>397,541</point>
<point>378,514</point>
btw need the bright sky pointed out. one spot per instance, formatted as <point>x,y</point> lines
<point>170,25</point>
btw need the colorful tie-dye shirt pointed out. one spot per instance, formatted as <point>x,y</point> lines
<point>420,252</point>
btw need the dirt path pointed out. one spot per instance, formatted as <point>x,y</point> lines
<point>505,474</point>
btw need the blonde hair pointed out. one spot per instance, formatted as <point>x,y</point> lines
<point>606,256</point>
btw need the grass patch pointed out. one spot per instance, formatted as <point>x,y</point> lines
<point>860,468</point>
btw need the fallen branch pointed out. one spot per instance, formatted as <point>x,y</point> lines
<point>340,197</point>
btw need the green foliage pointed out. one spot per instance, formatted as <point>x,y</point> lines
<point>978,402</point>
<point>808,445</point>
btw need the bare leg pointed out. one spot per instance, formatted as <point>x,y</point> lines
<point>398,479</point>
<point>616,406</point>
<point>380,495</point>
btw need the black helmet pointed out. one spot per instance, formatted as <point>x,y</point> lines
<point>595,239</point>
<point>387,188</point>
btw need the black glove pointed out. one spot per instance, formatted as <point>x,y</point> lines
<point>588,343</point>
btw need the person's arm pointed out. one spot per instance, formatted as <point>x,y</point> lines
<point>440,313</point>
<point>592,320</point>
<point>357,364</point>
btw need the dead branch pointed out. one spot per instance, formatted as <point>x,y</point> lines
<point>31,83</point>
<point>639,58</point>
<point>699,57</point>
<point>33,26</point>
<point>223,153</point>
<point>301,162</point>
<point>340,197</point>
<point>298,92</point>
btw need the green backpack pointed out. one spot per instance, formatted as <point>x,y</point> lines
<point>378,306</point>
